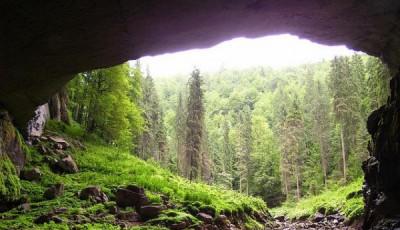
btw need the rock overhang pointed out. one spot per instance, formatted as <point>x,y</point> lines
<point>44,43</point>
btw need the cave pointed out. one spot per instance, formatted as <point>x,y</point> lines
<point>44,43</point>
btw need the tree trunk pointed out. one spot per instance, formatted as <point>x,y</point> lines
<point>247,187</point>
<point>343,155</point>
<point>298,190</point>
<point>58,106</point>
<point>285,184</point>
<point>324,162</point>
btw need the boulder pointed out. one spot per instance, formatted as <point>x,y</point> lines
<point>131,196</point>
<point>128,216</point>
<point>135,189</point>
<point>207,209</point>
<point>94,194</point>
<point>337,217</point>
<point>54,191</point>
<point>31,174</point>
<point>113,209</point>
<point>148,212</point>
<point>67,165</point>
<point>222,221</point>
<point>260,217</point>
<point>179,226</point>
<point>322,210</point>
<point>280,218</point>
<point>318,217</point>
<point>207,219</point>
<point>59,143</point>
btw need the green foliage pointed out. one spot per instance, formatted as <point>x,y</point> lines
<point>9,181</point>
<point>105,102</point>
<point>74,130</point>
<point>333,199</point>
<point>174,217</point>
<point>251,224</point>
<point>152,141</point>
<point>297,117</point>
<point>109,168</point>
<point>195,130</point>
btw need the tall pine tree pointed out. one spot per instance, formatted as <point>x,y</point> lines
<point>194,126</point>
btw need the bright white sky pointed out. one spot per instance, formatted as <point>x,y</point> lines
<point>275,51</point>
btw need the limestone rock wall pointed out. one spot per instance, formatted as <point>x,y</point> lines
<point>37,124</point>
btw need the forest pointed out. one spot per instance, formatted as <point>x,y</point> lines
<point>256,148</point>
<point>280,134</point>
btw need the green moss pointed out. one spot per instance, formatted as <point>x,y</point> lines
<point>154,197</point>
<point>10,187</point>
<point>251,224</point>
<point>169,217</point>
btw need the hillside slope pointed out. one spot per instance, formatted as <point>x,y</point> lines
<point>345,200</point>
<point>110,169</point>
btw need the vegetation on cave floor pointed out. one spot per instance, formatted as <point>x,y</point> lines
<point>110,168</point>
<point>346,200</point>
<point>280,134</point>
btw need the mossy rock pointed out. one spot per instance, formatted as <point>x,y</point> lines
<point>11,142</point>
<point>10,187</point>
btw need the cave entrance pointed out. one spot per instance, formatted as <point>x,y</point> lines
<point>312,99</point>
<point>43,35</point>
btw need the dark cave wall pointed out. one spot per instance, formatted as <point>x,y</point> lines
<point>382,169</point>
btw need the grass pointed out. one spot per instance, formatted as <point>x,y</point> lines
<point>335,199</point>
<point>110,168</point>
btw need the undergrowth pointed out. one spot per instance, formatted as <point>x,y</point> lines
<point>110,168</point>
<point>346,200</point>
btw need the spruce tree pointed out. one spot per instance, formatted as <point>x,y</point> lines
<point>180,134</point>
<point>152,142</point>
<point>194,126</point>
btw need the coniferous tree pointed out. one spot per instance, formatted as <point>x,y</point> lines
<point>152,142</point>
<point>180,134</point>
<point>319,119</point>
<point>228,154</point>
<point>300,106</point>
<point>244,148</point>
<point>194,126</point>
<point>340,76</point>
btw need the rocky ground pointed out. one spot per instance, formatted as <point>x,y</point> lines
<point>319,221</point>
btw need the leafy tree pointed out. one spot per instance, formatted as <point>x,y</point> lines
<point>101,102</point>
